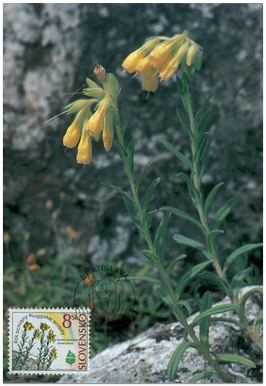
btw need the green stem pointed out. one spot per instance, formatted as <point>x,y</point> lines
<point>179,314</point>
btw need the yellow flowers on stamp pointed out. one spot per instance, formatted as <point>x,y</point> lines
<point>48,341</point>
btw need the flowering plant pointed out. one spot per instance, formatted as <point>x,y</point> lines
<point>159,58</point>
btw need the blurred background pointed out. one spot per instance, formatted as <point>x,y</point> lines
<point>59,220</point>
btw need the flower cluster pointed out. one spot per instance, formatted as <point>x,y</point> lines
<point>51,336</point>
<point>87,125</point>
<point>44,326</point>
<point>28,326</point>
<point>162,56</point>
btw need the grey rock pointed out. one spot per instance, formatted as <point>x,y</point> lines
<point>144,359</point>
<point>48,52</point>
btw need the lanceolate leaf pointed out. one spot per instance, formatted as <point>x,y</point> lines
<point>203,123</point>
<point>132,214</point>
<point>210,198</point>
<point>200,147</point>
<point>125,123</point>
<point>179,86</point>
<point>144,278</point>
<point>121,151</point>
<point>160,236</point>
<point>235,358</point>
<point>177,154</point>
<point>174,361</point>
<point>125,194</point>
<point>181,214</point>
<point>257,324</point>
<point>173,263</point>
<point>188,276</point>
<point>143,174</point>
<point>147,219</point>
<point>204,159</point>
<point>130,151</point>
<point>186,85</point>
<point>237,280</point>
<point>185,304</point>
<point>216,279</point>
<point>149,194</point>
<point>244,299</point>
<point>202,108</point>
<point>205,374</point>
<point>163,294</point>
<point>238,252</point>
<point>193,243</point>
<point>185,127</point>
<point>212,311</point>
<point>150,256</point>
<point>210,240</point>
<point>224,211</point>
<point>205,322</point>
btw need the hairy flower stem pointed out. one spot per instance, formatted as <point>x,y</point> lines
<point>178,312</point>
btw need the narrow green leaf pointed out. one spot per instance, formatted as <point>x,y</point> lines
<point>203,123</point>
<point>144,278</point>
<point>150,256</point>
<point>184,101</point>
<point>210,240</point>
<point>224,211</point>
<point>202,108</point>
<point>185,304</point>
<point>227,320</point>
<point>143,174</point>
<point>125,123</point>
<point>188,276</point>
<point>257,324</point>
<point>125,194</point>
<point>195,193</point>
<point>121,151</point>
<point>200,147</point>
<point>205,322</point>
<point>161,291</point>
<point>193,243</point>
<point>130,151</point>
<point>186,84</point>
<point>147,219</point>
<point>173,263</point>
<point>235,358</point>
<point>132,214</point>
<point>210,198</point>
<point>217,280</point>
<point>185,127</point>
<point>149,194</point>
<point>212,311</point>
<point>197,60</point>
<point>205,374</point>
<point>244,299</point>
<point>179,86</point>
<point>181,214</point>
<point>237,280</point>
<point>205,159</point>
<point>177,355</point>
<point>239,251</point>
<point>177,154</point>
<point>160,236</point>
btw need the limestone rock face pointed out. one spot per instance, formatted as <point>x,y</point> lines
<point>48,53</point>
<point>145,358</point>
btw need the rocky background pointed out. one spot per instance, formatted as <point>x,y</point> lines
<point>48,53</point>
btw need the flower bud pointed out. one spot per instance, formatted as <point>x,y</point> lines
<point>190,54</point>
<point>108,131</point>
<point>99,71</point>
<point>34,267</point>
<point>31,259</point>
<point>95,123</point>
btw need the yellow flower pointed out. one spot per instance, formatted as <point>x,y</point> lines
<point>150,80</point>
<point>51,336</point>
<point>72,135</point>
<point>108,131</point>
<point>163,58</point>
<point>131,62</point>
<point>37,334</point>
<point>54,353</point>
<point>95,123</point>
<point>84,148</point>
<point>44,326</point>
<point>28,326</point>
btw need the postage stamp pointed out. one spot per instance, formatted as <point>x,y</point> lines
<point>49,341</point>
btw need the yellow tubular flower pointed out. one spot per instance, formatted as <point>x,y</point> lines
<point>172,66</point>
<point>108,131</point>
<point>190,54</point>
<point>150,80</point>
<point>84,148</point>
<point>72,135</point>
<point>95,123</point>
<point>131,62</point>
<point>144,65</point>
